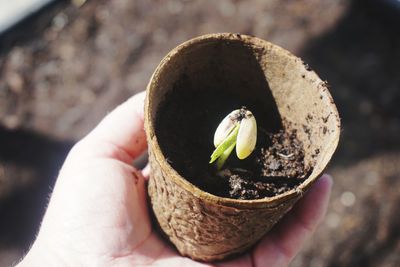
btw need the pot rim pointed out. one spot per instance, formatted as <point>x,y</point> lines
<point>270,202</point>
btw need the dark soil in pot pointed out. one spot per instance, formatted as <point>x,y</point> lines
<point>185,126</point>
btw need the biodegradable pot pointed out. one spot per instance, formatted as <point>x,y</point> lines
<point>207,227</point>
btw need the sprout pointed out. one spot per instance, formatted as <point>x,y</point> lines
<point>238,129</point>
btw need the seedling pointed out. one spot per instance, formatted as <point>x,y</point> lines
<point>238,129</point>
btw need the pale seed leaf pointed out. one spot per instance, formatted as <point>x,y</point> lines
<point>225,127</point>
<point>247,136</point>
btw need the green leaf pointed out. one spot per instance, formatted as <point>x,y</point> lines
<point>221,160</point>
<point>226,144</point>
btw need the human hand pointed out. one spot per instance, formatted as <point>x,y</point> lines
<point>98,212</point>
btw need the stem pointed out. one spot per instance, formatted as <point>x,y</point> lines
<point>221,160</point>
<point>226,144</point>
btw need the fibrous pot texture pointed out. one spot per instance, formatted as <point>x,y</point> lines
<point>283,90</point>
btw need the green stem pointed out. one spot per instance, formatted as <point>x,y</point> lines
<point>226,144</point>
<point>221,160</point>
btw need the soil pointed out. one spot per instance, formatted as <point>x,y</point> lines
<point>185,136</point>
<point>284,157</point>
<point>276,167</point>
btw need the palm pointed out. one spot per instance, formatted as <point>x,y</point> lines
<point>109,219</point>
<point>98,214</point>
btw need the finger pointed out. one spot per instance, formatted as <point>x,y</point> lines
<point>146,172</point>
<point>119,135</point>
<point>280,246</point>
<point>242,261</point>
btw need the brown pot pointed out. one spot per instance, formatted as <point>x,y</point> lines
<point>207,227</point>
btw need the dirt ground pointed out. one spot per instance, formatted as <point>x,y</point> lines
<point>65,68</point>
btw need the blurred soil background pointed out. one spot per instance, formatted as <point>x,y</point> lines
<point>64,68</point>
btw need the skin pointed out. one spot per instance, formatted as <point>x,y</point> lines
<point>98,212</point>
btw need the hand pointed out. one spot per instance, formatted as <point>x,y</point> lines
<point>98,212</point>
